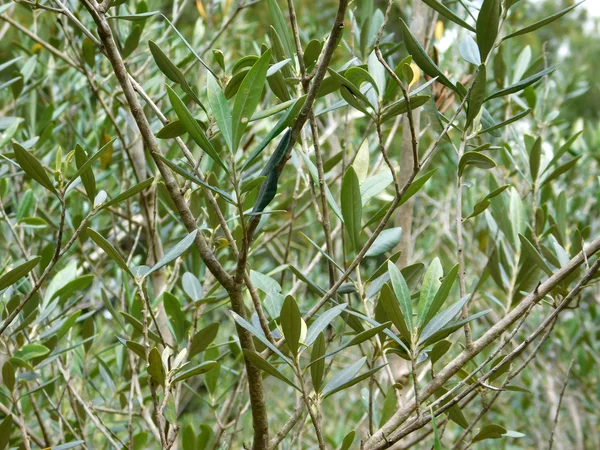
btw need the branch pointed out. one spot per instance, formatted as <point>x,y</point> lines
<point>389,433</point>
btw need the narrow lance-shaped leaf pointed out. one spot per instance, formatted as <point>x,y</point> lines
<point>32,167</point>
<point>248,97</point>
<point>475,159</point>
<point>174,252</point>
<point>448,13</point>
<point>522,84</point>
<point>108,249</point>
<point>172,72</point>
<point>322,321</point>
<point>291,323</point>
<point>543,22</point>
<point>202,339</point>
<point>268,188</point>
<point>155,367</point>
<point>193,128</point>
<point>267,367</point>
<point>352,206</point>
<point>84,166</point>
<point>193,178</point>
<point>402,293</point>
<point>431,284</point>
<point>281,125</point>
<point>421,58</point>
<point>442,294</point>
<point>477,95</point>
<point>18,272</point>
<point>317,362</point>
<point>194,371</point>
<point>487,25</point>
<point>128,193</point>
<point>87,176</point>
<point>442,319</point>
<point>393,312</point>
<point>220,108</point>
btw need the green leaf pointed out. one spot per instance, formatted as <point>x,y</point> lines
<point>194,371</point>
<point>155,367</point>
<point>77,284</point>
<point>493,127</point>
<point>280,25</point>
<point>134,17</point>
<point>532,252</point>
<point>176,316</point>
<point>415,186</point>
<point>431,284</point>
<point>193,178</point>
<point>32,167</point>
<point>193,128</point>
<point>393,312</point>
<point>560,170</point>
<point>482,205</point>
<point>87,176</point>
<point>108,249</point>
<point>202,339</point>
<point>136,348</point>
<point>401,106</point>
<point>346,378</point>
<point>190,48</point>
<point>322,322</point>
<point>282,124</point>
<point>454,413</point>
<point>469,51</point>
<point>174,252</point>
<point>477,95</point>
<point>543,22</point>
<point>32,351</point>
<point>258,361</point>
<point>451,328</point>
<point>6,425</point>
<point>442,294</point>
<point>268,188</point>
<point>258,333</point>
<point>83,167</point>
<point>488,22</point>
<point>291,323</point>
<point>220,108</point>
<point>352,206</point>
<point>137,325</point>
<point>448,14</point>
<point>402,293</point>
<point>492,431</point>
<point>439,350</point>
<point>442,319</point>
<point>421,58</point>
<point>192,287</point>
<point>562,150</point>
<point>386,241</point>
<point>348,440</point>
<point>8,376</point>
<point>11,277</point>
<point>522,84</point>
<point>248,97</point>
<point>475,159</point>
<point>317,362</point>
<point>128,193</point>
<point>437,443</point>
<point>172,72</point>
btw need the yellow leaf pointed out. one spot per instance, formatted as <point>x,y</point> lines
<point>416,73</point>
<point>201,9</point>
<point>438,32</point>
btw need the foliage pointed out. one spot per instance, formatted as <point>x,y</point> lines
<point>234,224</point>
